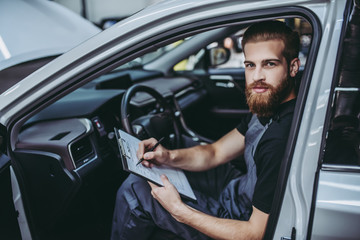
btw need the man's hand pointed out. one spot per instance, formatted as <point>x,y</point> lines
<point>168,197</point>
<point>159,156</point>
<point>216,228</point>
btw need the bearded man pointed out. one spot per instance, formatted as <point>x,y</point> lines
<point>230,204</point>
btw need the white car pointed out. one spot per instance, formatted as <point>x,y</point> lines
<point>165,71</point>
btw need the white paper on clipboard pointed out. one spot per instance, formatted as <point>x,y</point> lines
<point>128,146</point>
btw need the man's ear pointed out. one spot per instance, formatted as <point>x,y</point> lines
<point>294,67</point>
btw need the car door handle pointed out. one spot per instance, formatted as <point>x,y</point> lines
<point>225,81</point>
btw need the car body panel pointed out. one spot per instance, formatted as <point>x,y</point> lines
<point>337,204</point>
<point>52,30</point>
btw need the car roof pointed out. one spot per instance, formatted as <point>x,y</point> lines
<point>34,29</point>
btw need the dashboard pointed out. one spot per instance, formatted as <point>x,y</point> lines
<point>78,126</point>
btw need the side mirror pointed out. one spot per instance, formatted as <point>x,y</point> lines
<point>218,56</point>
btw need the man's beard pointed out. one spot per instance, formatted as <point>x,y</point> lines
<point>265,104</point>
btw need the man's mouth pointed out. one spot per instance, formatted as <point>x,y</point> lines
<point>260,89</point>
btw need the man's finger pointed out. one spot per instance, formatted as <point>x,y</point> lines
<point>167,184</point>
<point>140,151</point>
<point>165,181</point>
<point>149,155</point>
<point>143,145</point>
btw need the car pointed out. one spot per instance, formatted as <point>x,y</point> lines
<point>168,71</point>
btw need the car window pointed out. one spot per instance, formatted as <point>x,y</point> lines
<point>151,56</point>
<point>191,63</point>
<point>232,42</point>
<point>343,137</point>
<point>343,134</point>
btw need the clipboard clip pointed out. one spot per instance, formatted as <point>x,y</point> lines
<point>121,144</point>
<point>123,151</point>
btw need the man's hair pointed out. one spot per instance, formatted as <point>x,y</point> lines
<point>274,30</point>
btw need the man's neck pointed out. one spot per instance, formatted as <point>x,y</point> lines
<point>291,96</point>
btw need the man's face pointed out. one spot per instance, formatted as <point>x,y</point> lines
<point>267,73</point>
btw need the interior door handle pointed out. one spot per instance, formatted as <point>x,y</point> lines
<point>225,81</point>
<point>222,78</point>
<point>225,84</point>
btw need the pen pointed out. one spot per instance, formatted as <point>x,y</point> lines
<point>151,149</point>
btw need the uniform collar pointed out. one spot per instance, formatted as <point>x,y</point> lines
<point>284,109</point>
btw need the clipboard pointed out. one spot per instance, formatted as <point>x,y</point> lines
<point>128,146</point>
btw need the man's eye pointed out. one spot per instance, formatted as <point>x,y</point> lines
<point>270,64</point>
<point>249,65</point>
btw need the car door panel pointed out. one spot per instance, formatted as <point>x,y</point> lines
<point>337,205</point>
<point>224,105</point>
<point>9,228</point>
<point>336,202</point>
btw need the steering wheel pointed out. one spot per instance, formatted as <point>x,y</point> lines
<point>160,122</point>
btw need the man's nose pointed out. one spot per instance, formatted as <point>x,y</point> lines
<point>258,74</point>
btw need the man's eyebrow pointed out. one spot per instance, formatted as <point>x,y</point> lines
<point>247,61</point>
<point>271,60</point>
<point>265,60</point>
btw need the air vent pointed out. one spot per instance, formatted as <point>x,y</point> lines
<point>81,151</point>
